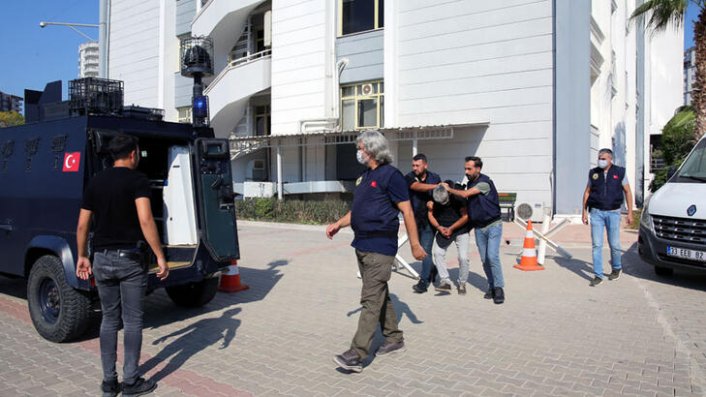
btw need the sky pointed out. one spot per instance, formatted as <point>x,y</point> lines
<point>31,56</point>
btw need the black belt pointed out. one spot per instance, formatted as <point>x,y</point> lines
<point>132,254</point>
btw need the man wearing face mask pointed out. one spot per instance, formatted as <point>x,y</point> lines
<point>421,182</point>
<point>602,201</point>
<point>483,208</point>
<point>380,195</point>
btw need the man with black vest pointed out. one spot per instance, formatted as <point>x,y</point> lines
<point>602,201</point>
<point>421,182</point>
<point>483,209</point>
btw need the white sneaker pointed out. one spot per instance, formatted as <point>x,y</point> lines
<point>444,285</point>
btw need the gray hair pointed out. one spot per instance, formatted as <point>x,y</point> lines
<point>605,151</point>
<point>376,145</point>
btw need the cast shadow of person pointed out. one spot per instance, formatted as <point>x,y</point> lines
<point>582,268</point>
<point>193,339</point>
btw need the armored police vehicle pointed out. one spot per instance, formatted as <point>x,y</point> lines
<point>45,166</point>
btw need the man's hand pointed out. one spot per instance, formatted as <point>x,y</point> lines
<point>584,217</point>
<point>332,229</point>
<point>445,231</point>
<point>418,252</point>
<point>83,268</point>
<point>445,185</point>
<point>629,219</point>
<point>163,269</point>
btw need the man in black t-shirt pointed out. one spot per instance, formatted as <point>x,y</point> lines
<point>449,217</point>
<point>117,202</point>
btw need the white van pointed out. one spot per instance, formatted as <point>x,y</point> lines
<point>673,223</point>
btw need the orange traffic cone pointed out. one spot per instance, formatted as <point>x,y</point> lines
<point>528,261</point>
<point>230,279</point>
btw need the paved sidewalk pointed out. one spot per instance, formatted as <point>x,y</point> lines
<point>554,336</point>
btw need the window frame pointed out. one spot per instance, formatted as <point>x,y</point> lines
<point>376,19</point>
<point>378,95</point>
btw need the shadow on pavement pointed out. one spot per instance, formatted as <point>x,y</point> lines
<point>581,268</point>
<point>191,340</point>
<point>636,267</point>
<point>15,287</point>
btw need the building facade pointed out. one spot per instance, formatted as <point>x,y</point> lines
<point>88,60</point>
<point>10,103</point>
<point>689,73</point>
<point>535,88</point>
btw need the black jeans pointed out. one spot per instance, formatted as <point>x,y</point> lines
<point>121,286</point>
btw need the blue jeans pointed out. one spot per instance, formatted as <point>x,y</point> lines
<point>610,220</point>
<point>488,242</point>
<point>121,284</point>
<point>426,239</point>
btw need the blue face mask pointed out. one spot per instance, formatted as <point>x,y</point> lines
<point>602,164</point>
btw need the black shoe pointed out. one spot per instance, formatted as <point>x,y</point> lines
<point>498,295</point>
<point>139,388</point>
<point>596,280</point>
<point>349,360</point>
<point>489,294</point>
<point>420,287</point>
<point>390,347</point>
<point>461,288</point>
<point>111,389</point>
<point>614,275</point>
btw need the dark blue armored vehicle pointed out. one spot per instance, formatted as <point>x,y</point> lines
<point>44,168</point>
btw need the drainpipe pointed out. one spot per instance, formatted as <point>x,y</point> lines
<point>333,121</point>
<point>103,23</point>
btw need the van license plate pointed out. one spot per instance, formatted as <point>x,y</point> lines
<point>686,254</point>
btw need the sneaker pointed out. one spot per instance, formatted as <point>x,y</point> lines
<point>596,280</point>
<point>461,288</point>
<point>111,388</point>
<point>420,287</point>
<point>615,274</point>
<point>489,294</point>
<point>444,285</point>
<point>139,388</point>
<point>390,347</point>
<point>349,360</point>
<point>498,295</point>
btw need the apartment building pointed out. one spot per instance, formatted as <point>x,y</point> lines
<point>88,59</point>
<point>10,103</point>
<point>534,87</point>
<point>689,73</point>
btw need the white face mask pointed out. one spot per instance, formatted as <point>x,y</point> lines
<point>603,164</point>
<point>361,157</point>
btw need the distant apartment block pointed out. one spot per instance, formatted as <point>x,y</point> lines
<point>88,60</point>
<point>10,103</point>
<point>689,73</point>
<point>535,88</point>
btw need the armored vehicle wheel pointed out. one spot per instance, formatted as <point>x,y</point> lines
<point>194,294</point>
<point>663,271</point>
<point>59,312</point>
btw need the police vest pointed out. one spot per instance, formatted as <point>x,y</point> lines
<point>606,193</point>
<point>483,209</point>
<point>373,214</point>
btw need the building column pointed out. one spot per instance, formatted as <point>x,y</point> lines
<point>279,172</point>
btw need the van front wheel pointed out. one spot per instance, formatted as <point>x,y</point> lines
<point>58,311</point>
<point>194,294</point>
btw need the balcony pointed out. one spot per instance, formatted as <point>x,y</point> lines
<point>229,92</point>
<point>223,20</point>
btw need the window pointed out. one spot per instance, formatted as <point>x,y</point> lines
<point>263,121</point>
<point>360,15</point>
<point>362,106</point>
<point>184,115</point>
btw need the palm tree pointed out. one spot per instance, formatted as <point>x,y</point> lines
<point>662,13</point>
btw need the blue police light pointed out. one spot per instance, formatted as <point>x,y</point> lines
<point>200,107</point>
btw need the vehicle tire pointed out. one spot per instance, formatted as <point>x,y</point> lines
<point>194,294</point>
<point>663,271</point>
<point>59,312</point>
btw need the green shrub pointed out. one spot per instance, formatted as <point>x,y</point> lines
<point>677,141</point>
<point>291,211</point>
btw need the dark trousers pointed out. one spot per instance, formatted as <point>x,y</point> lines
<point>375,270</point>
<point>121,286</point>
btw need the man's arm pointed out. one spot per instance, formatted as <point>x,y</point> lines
<point>628,199</point>
<point>149,230</point>
<point>410,224</point>
<point>460,222</point>
<point>462,193</point>
<point>83,265</point>
<point>333,228</point>
<point>584,212</point>
<point>422,187</point>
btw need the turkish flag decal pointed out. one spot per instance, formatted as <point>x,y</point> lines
<point>72,162</point>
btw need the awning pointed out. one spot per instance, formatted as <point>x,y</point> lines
<point>242,145</point>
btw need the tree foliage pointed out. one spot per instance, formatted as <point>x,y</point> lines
<point>11,119</point>
<point>677,141</point>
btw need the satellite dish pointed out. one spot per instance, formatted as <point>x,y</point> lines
<point>524,211</point>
